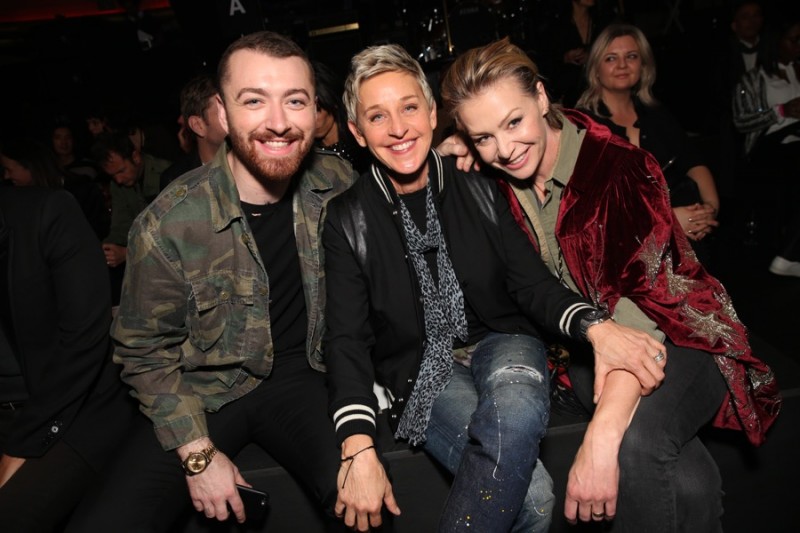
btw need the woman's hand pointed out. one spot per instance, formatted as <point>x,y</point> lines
<point>697,221</point>
<point>618,347</point>
<point>593,481</point>
<point>700,219</point>
<point>456,146</point>
<point>364,487</point>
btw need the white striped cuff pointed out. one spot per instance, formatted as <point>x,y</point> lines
<point>352,412</point>
<point>566,319</point>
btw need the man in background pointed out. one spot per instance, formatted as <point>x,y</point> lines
<point>200,116</point>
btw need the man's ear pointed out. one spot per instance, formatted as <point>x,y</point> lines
<point>357,133</point>
<point>223,115</point>
<point>198,125</point>
<point>136,157</point>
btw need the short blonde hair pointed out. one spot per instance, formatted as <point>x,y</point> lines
<point>591,97</point>
<point>479,68</point>
<point>377,60</point>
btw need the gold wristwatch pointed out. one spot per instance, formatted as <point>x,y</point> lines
<point>197,462</point>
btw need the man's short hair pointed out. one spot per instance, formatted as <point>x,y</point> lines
<point>265,42</point>
<point>109,143</point>
<point>195,95</point>
<point>377,60</point>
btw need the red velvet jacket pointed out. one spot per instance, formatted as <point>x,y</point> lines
<point>619,238</point>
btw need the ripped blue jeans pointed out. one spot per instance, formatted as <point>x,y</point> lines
<point>485,428</point>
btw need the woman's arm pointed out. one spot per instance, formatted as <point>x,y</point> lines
<point>364,487</point>
<point>548,303</point>
<point>593,480</point>
<point>701,175</point>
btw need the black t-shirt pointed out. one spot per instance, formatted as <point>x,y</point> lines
<point>273,228</point>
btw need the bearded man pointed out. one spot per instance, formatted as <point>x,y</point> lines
<point>221,315</point>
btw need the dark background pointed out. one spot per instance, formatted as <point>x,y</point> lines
<point>65,57</point>
<point>61,59</point>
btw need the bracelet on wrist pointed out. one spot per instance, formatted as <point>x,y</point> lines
<point>350,459</point>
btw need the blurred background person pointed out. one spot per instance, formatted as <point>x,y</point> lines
<point>620,73</point>
<point>572,32</point>
<point>766,108</point>
<point>745,41</point>
<point>68,157</point>
<point>200,114</point>
<point>28,163</point>
<point>96,121</point>
<point>331,132</point>
<point>135,182</point>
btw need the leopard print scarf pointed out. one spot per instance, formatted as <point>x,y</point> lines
<point>444,320</point>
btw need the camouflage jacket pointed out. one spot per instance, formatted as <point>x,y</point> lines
<point>193,329</point>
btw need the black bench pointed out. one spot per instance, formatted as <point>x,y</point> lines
<point>759,483</point>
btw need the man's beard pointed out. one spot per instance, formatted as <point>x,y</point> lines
<point>266,168</point>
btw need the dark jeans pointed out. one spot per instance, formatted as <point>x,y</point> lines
<point>668,480</point>
<point>485,428</point>
<point>286,415</point>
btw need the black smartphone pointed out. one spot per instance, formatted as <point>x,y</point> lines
<point>256,503</point>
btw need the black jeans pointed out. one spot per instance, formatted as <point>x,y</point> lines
<point>146,490</point>
<point>668,480</point>
<point>41,494</point>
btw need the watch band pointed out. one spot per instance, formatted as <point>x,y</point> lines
<point>596,316</point>
<point>197,462</point>
<point>210,452</point>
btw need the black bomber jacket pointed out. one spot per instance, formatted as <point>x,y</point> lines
<point>374,313</point>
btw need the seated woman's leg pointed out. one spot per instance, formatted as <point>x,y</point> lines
<point>659,446</point>
<point>698,478</point>
<point>486,428</point>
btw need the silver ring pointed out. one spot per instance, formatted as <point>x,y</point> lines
<point>659,357</point>
<point>598,515</point>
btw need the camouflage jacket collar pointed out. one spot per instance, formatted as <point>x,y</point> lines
<point>225,206</point>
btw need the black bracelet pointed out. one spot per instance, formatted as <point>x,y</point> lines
<point>350,458</point>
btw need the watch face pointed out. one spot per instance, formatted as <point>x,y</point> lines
<point>598,314</point>
<point>196,462</point>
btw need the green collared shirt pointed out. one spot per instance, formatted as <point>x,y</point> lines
<point>541,219</point>
<point>193,329</point>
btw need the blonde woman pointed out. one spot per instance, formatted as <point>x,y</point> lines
<point>597,210</point>
<point>620,72</point>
